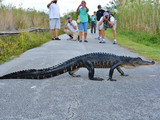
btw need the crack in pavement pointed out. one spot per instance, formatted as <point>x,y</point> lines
<point>74,104</point>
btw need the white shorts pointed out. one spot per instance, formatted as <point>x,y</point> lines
<point>75,34</point>
<point>100,27</point>
<point>54,23</point>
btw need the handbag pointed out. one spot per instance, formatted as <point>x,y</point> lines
<point>78,21</point>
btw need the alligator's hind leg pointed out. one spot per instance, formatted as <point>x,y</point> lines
<point>121,72</point>
<point>90,68</point>
<point>72,73</point>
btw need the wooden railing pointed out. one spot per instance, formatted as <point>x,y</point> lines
<point>15,32</point>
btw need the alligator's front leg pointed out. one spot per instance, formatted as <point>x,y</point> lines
<point>88,64</point>
<point>121,72</point>
<point>112,70</point>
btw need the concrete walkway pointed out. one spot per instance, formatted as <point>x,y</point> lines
<point>135,97</point>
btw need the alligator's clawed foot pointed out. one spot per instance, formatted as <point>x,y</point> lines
<point>97,79</point>
<point>110,79</point>
<point>76,76</point>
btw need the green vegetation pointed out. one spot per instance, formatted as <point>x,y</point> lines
<point>13,46</point>
<point>137,15</point>
<point>141,43</point>
<point>138,26</point>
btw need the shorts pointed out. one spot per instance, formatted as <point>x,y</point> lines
<point>54,23</point>
<point>104,27</point>
<point>83,25</point>
<point>99,27</point>
<point>75,34</point>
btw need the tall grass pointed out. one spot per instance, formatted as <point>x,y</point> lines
<point>139,15</point>
<point>12,18</point>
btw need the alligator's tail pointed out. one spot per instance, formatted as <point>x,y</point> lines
<point>42,73</point>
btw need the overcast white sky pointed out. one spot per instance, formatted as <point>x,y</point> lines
<point>65,5</point>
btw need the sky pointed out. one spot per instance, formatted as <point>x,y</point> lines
<point>65,5</point>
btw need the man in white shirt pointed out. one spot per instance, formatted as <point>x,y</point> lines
<point>54,18</point>
<point>108,21</point>
<point>71,29</point>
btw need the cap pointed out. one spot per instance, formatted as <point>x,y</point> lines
<point>68,17</point>
<point>105,13</point>
<point>99,6</point>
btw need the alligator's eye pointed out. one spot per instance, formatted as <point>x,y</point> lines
<point>139,58</point>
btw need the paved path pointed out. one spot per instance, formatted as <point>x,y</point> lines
<point>135,97</point>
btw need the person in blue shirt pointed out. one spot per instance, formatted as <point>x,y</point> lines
<point>93,22</point>
<point>83,17</point>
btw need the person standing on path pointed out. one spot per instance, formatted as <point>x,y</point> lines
<point>83,16</point>
<point>99,15</point>
<point>108,21</point>
<point>93,22</point>
<point>54,18</point>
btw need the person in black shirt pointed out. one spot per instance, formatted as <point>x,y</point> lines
<point>99,15</point>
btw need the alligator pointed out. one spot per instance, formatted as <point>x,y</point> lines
<point>89,61</point>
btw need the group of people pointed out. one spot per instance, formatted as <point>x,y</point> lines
<point>76,29</point>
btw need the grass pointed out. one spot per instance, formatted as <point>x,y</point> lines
<point>139,15</point>
<point>138,42</point>
<point>13,46</point>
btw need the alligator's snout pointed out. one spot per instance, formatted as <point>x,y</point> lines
<point>147,62</point>
<point>136,62</point>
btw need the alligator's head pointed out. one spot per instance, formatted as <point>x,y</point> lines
<point>136,62</point>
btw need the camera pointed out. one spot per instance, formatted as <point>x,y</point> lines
<point>69,21</point>
<point>82,5</point>
<point>106,16</point>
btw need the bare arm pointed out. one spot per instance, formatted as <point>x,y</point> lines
<point>75,27</point>
<point>66,24</point>
<point>87,8</point>
<point>50,3</point>
<point>78,8</point>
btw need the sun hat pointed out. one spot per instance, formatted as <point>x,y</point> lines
<point>105,13</point>
<point>68,17</point>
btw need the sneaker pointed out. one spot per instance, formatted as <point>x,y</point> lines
<point>115,42</point>
<point>52,38</point>
<point>57,39</point>
<point>80,40</point>
<point>86,41</point>
<point>102,41</point>
<point>70,38</point>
